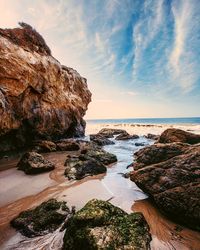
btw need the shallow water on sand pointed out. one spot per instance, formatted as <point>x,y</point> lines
<point>110,186</point>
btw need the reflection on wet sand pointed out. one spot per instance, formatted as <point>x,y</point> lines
<point>166,235</point>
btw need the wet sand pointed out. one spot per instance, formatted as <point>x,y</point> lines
<point>166,235</point>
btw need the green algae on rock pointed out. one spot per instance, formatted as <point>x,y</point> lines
<point>100,225</point>
<point>43,219</point>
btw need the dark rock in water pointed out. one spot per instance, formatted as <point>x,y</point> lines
<point>139,144</point>
<point>34,163</point>
<point>100,140</point>
<point>101,156</point>
<point>152,137</point>
<point>44,146</point>
<point>43,219</point>
<point>79,168</point>
<point>170,174</point>
<point>92,161</point>
<point>68,145</point>
<point>110,132</point>
<point>100,225</point>
<point>126,136</point>
<point>157,153</point>
<point>39,98</point>
<point>178,135</point>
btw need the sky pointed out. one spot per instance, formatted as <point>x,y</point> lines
<point>141,58</point>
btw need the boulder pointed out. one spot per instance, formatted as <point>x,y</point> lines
<point>101,156</point>
<point>170,174</point>
<point>43,219</point>
<point>100,225</point>
<point>91,161</point>
<point>34,163</point>
<point>39,98</point>
<point>178,135</point>
<point>78,168</point>
<point>110,132</point>
<point>126,136</point>
<point>157,153</point>
<point>68,145</point>
<point>100,140</point>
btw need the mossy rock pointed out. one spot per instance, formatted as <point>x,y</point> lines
<point>91,162</point>
<point>41,220</point>
<point>102,156</point>
<point>79,168</point>
<point>101,226</point>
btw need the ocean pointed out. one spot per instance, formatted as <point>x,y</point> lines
<point>182,120</point>
<point>143,126</point>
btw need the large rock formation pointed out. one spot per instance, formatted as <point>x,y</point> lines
<point>39,98</point>
<point>170,174</point>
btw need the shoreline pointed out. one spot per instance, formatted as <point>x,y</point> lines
<point>164,232</point>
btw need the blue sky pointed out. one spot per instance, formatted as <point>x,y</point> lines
<point>141,58</point>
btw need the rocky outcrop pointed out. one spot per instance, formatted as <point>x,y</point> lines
<point>41,220</point>
<point>157,153</point>
<point>39,98</point>
<point>100,225</point>
<point>178,135</point>
<point>34,163</point>
<point>170,174</point>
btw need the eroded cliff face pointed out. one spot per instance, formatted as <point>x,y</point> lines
<point>39,98</point>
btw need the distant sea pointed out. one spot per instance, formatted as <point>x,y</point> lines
<point>181,121</point>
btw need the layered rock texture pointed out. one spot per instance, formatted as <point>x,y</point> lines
<point>170,174</point>
<point>100,225</point>
<point>39,98</point>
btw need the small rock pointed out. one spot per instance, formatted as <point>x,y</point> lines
<point>139,144</point>
<point>152,137</point>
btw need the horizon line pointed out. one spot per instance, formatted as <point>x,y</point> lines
<point>143,118</point>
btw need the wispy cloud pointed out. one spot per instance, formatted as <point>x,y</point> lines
<point>145,30</point>
<point>124,48</point>
<point>182,58</point>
